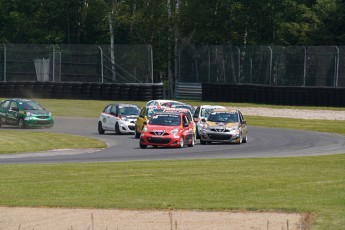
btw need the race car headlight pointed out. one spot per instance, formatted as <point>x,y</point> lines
<point>174,131</point>
<point>205,126</point>
<point>28,114</point>
<point>234,128</point>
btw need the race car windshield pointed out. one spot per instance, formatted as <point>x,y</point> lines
<point>167,120</point>
<point>29,105</point>
<point>129,111</point>
<point>150,112</point>
<point>223,117</point>
<point>205,112</point>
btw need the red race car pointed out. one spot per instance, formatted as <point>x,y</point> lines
<point>169,130</point>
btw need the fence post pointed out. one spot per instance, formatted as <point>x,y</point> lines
<point>101,63</point>
<point>53,63</point>
<point>239,65</point>
<point>151,58</point>
<point>336,74</point>
<point>4,61</point>
<point>271,60</point>
<point>304,66</point>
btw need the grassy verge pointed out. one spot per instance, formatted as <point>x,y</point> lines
<point>12,141</point>
<point>304,184</point>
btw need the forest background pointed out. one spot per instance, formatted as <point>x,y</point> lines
<point>168,24</point>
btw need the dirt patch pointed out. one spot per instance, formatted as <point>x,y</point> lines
<point>104,219</point>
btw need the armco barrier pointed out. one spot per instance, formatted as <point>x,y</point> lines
<point>279,95</point>
<point>79,90</point>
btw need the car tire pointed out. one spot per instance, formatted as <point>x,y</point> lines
<point>137,134</point>
<point>142,146</point>
<point>202,142</point>
<point>197,134</point>
<point>192,143</point>
<point>100,128</point>
<point>245,139</point>
<point>181,142</point>
<point>21,123</point>
<point>117,129</point>
<point>240,139</point>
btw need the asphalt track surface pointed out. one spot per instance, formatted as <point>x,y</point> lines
<point>262,142</point>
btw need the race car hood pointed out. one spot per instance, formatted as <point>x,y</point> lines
<point>131,117</point>
<point>38,112</point>
<point>222,124</point>
<point>161,128</point>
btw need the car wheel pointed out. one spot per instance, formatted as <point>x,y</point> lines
<point>193,142</point>
<point>100,128</point>
<point>137,134</point>
<point>197,134</point>
<point>181,142</point>
<point>245,139</point>
<point>202,142</point>
<point>142,146</point>
<point>21,123</point>
<point>240,139</point>
<point>117,129</point>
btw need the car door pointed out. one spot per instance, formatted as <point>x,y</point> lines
<point>12,115</point>
<point>105,117</point>
<point>141,119</point>
<point>4,110</point>
<point>188,131</point>
<point>243,123</point>
<point>112,117</point>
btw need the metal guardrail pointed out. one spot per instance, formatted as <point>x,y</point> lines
<point>185,90</point>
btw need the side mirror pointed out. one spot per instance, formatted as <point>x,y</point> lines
<point>203,120</point>
<point>185,125</point>
<point>244,122</point>
<point>196,119</point>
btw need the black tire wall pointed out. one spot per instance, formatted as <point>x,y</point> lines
<point>274,95</point>
<point>82,90</point>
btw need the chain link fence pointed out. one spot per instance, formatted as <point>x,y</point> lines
<point>81,63</point>
<point>265,65</point>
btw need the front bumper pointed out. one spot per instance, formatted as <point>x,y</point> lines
<point>127,127</point>
<point>34,122</point>
<point>165,141</point>
<point>226,137</point>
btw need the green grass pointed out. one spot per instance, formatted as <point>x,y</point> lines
<point>12,141</point>
<point>303,184</point>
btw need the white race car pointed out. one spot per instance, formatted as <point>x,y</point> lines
<point>118,118</point>
<point>202,112</point>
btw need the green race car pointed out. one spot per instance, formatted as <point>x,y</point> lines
<point>24,113</point>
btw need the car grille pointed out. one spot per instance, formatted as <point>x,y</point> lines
<point>43,122</point>
<point>219,130</point>
<point>155,140</point>
<point>42,117</point>
<point>159,133</point>
<point>220,137</point>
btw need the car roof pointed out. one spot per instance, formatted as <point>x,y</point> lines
<point>212,106</point>
<point>169,113</point>
<point>161,101</point>
<point>225,110</point>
